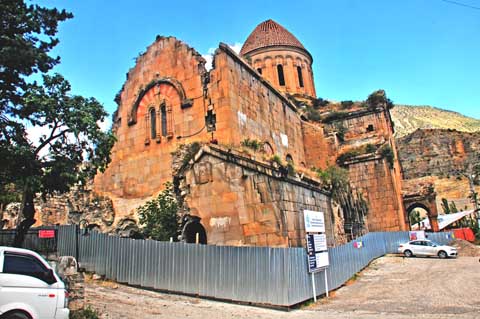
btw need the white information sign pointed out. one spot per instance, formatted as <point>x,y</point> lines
<point>314,221</point>
<point>320,242</point>
<point>322,259</point>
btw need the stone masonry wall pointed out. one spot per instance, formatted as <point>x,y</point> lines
<point>256,111</point>
<point>142,164</point>
<point>240,205</point>
<point>374,179</point>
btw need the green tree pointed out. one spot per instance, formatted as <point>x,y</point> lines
<point>71,150</point>
<point>27,35</point>
<point>158,217</point>
<point>415,217</point>
<point>70,123</point>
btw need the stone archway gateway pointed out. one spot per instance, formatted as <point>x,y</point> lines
<point>426,201</point>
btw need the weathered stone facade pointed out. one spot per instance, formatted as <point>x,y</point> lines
<point>169,94</point>
<point>169,99</point>
<point>244,201</point>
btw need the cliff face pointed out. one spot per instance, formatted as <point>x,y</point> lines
<point>409,118</point>
<point>439,153</point>
<point>439,157</point>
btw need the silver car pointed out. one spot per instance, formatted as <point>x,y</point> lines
<point>426,247</point>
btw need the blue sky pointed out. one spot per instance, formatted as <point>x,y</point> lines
<point>422,52</point>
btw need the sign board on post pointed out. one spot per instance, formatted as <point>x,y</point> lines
<point>314,221</point>
<point>46,233</point>
<point>317,250</point>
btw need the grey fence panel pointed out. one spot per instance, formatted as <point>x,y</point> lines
<point>276,276</point>
<point>66,245</point>
<point>443,238</point>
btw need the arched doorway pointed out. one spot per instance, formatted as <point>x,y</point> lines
<point>416,213</point>
<point>193,229</point>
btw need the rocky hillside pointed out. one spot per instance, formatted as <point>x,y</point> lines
<point>435,152</point>
<point>409,118</point>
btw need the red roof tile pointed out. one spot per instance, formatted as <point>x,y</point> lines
<point>269,33</point>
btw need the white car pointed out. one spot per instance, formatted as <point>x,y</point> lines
<point>29,287</point>
<point>426,247</point>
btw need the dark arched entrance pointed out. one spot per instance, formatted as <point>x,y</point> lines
<point>193,228</point>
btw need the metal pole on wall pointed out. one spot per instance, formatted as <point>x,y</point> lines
<point>326,282</point>
<point>313,288</point>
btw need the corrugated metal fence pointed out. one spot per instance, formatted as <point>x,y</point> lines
<point>32,240</point>
<point>263,275</point>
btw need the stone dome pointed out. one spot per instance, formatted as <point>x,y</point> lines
<point>270,34</point>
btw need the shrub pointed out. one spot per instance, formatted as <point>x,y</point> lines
<point>341,130</point>
<point>346,104</point>
<point>159,216</point>
<point>317,103</point>
<point>253,144</point>
<point>370,148</point>
<point>313,115</point>
<point>87,313</point>
<point>342,158</point>
<point>276,159</point>
<point>387,153</point>
<point>378,98</point>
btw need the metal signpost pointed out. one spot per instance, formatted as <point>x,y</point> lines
<point>317,251</point>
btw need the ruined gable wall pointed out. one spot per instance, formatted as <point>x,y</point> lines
<point>257,112</point>
<point>241,206</point>
<point>141,164</point>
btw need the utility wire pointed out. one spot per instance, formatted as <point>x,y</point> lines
<point>461,4</point>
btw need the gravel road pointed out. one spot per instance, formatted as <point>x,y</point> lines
<point>393,287</point>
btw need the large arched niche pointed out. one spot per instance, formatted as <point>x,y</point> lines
<point>156,92</point>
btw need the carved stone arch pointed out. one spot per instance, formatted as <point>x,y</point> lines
<point>424,201</point>
<point>185,103</point>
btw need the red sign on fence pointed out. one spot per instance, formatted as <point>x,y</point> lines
<point>46,233</point>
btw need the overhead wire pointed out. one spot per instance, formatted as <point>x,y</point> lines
<point>461,4</point>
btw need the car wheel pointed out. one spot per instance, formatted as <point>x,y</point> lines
<point>408,253</point>
<point>15,315</point>
<point>442,254</point>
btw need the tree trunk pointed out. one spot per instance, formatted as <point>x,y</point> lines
<point>28,214</point>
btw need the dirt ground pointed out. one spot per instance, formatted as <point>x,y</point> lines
<point>392,286</point>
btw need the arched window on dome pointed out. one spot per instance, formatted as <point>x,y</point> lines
<point>281,77</point>
<point>300,77</point>
<point>259,70</point>
<point>153,123</point>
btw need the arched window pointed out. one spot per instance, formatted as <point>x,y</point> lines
<point>163,115</point>
<point>289,158</point>
<point>300,77</point>
<point>281,78</point>
<point>153,124</point>
<point>259,70</point>
<point>267,148</point>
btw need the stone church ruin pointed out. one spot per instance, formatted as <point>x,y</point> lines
<point>260,129</point>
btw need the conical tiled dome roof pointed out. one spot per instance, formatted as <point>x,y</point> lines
<point>267,34</point>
